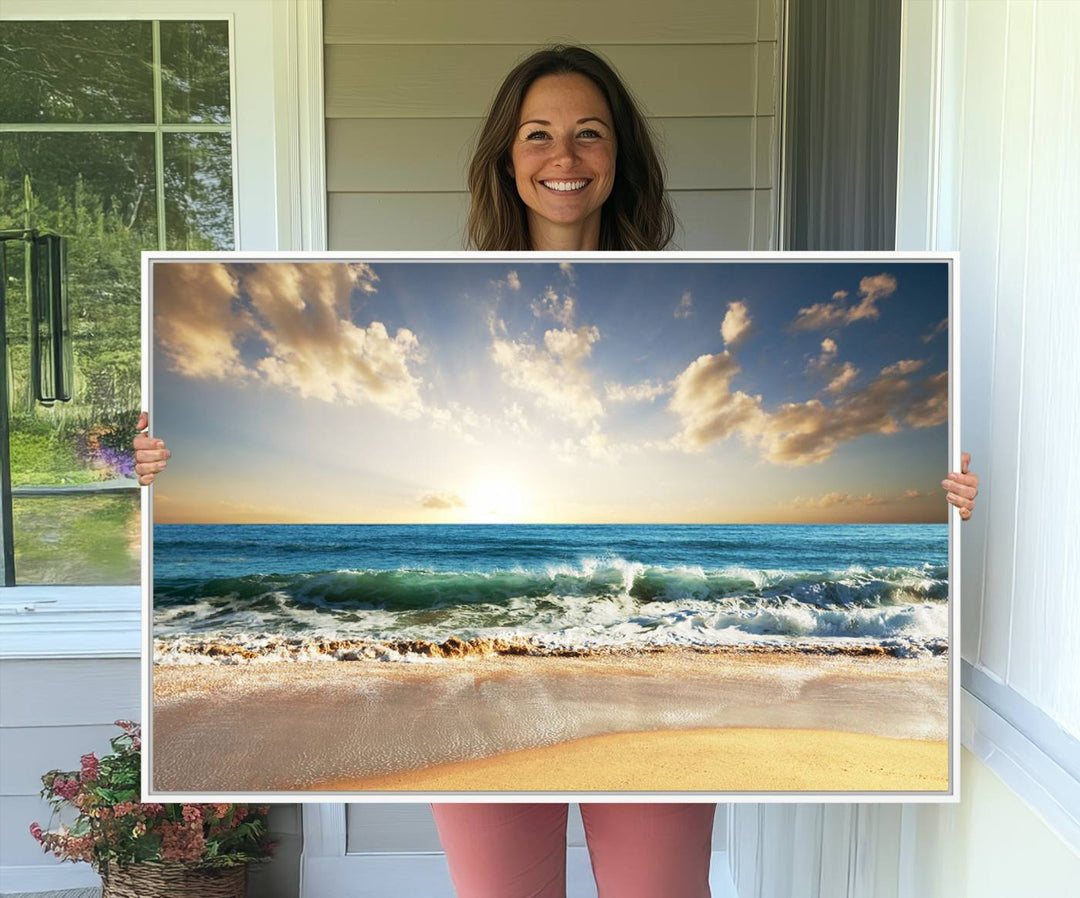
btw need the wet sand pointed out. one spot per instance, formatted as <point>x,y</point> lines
<point>666,721</point>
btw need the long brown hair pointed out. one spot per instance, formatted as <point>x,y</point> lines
<point>637,214</point>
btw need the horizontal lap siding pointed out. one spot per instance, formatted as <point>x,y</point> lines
<point>408,84</point>
<point>53,712</point>
<point>526,22</point>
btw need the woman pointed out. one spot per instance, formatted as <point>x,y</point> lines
<point>565,162</point>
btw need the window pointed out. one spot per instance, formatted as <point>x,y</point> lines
<point>117,135</point>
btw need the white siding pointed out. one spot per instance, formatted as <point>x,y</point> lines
<point>408,83</point>
<point>53,712</point>
<point>1008,199</point>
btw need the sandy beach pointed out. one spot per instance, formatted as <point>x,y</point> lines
<point>662,721</point>
<point>728,760</point>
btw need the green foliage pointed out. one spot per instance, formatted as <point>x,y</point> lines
<point>114,828</point>
<point>77,539</point>
<point>99,189</point>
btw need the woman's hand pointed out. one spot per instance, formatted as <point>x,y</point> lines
<point>150,454</point>
<point>961,489</point>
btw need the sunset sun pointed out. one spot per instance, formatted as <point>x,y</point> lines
<point>496,500</point>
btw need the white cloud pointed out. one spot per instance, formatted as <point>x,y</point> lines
<point>460,420</point>
<point>561,310</point>
<point>594,445</point>
<point>512,281</point>
<point>515,419</point>
<point>685,308</point>
<point>646,391</point>
<point>314,348</point>
<point>736,324</point>
<point>567,269</point>
<point>555,374</point>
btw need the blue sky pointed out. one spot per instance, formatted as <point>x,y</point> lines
<point>454,391</point>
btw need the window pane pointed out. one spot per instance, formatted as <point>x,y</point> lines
<point>198,192</point>
<point>76,72</point>
<point>98,191</point>
<point>195,71</point>
<point>77,540</point>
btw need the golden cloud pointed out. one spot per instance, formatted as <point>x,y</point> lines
<point>798,433</point>
<point>709,409</point>
<point>197,318</point>
<point>301,312</point>
<point>837,313</point>
<point>736,324</point>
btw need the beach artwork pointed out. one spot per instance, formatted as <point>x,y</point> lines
<point>516,525</point>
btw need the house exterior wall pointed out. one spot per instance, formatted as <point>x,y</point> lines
<point>408,84</point>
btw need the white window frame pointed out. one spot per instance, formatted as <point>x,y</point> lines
<point>279,203</point>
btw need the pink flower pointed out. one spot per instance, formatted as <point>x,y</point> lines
<point>65,788</point>
<point>36,831</point>
<point>181,842</point>
<point>89,767</point>
<point>192,813</point>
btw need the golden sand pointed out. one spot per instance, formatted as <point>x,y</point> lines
<point>696,722</point>
<point>709,760</point>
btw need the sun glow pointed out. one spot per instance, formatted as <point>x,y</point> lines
<point>495,500</point>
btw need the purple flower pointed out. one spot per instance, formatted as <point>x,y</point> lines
<point>119,461</point>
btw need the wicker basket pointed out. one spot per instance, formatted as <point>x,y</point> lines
<point>147,880</point>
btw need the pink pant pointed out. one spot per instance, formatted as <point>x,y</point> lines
<point>519,850</point>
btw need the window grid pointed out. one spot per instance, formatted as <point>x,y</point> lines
<point>159,128</point>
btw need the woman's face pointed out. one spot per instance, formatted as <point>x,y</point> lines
<point>563,158</point>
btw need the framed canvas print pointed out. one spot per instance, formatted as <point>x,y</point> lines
<point>483,525</point>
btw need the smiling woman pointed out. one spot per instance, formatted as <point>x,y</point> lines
<point>563,160</point>
<point>563,116</point>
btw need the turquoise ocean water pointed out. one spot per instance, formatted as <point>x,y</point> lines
<point>278,589</point>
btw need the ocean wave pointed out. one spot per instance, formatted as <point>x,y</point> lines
<point>598,602</point>
<point>402,590</point>
<point>265,648</point>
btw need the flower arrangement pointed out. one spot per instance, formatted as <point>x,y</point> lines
<point>114,827</point>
